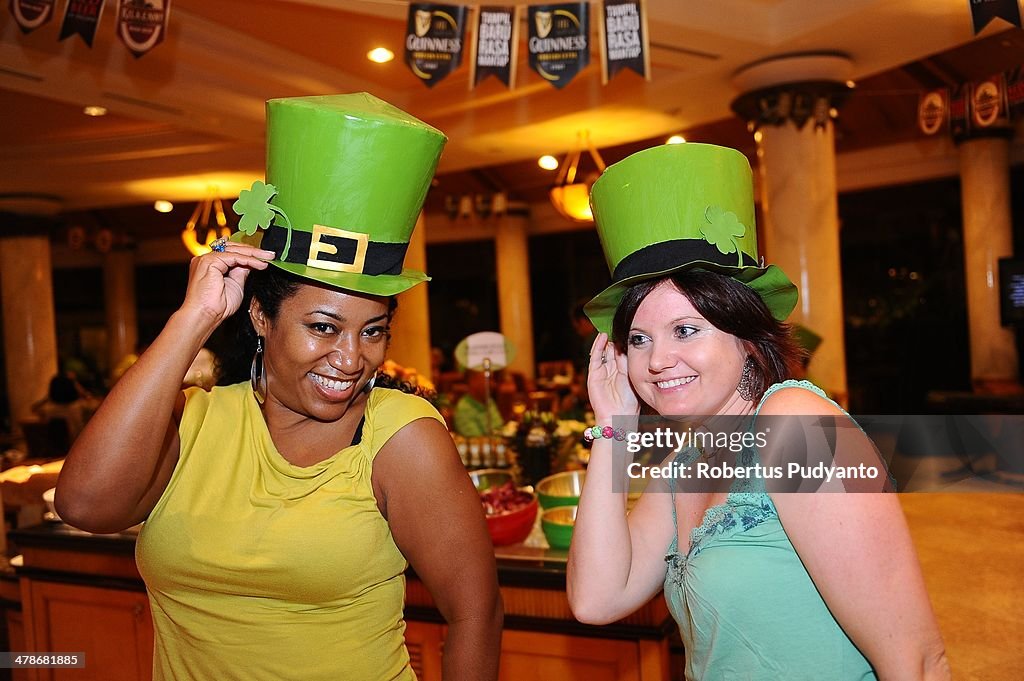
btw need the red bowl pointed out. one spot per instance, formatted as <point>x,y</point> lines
<point>513,527</point>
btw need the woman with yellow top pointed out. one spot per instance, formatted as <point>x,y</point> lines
<point>281,513</point>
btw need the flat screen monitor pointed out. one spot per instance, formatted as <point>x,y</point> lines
<point>1011,291</point>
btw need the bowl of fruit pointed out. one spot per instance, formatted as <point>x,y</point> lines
<point>510,512</point>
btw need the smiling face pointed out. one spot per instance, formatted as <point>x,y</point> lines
<point>321,349</point>
<point>679,363</point>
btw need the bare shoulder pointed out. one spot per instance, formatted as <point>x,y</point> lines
<point>794,400</point>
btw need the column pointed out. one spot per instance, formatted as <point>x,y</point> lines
<point>985,199</point>
<point>410,330</point>
<point>791,102</point>
<point>119,305</point>
<point>30,336</point>
<point>514,305</point>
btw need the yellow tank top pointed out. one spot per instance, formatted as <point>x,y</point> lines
<point>261,570</point>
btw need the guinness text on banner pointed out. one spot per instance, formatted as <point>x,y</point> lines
<point>434,36</point>
<point>559,41</point>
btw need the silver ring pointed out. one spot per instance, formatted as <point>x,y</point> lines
<point>219,244</point>
<point>604,358</point>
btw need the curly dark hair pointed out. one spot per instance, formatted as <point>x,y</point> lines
<point>732,307</point>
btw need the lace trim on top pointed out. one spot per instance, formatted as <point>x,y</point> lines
<point>746,506</point>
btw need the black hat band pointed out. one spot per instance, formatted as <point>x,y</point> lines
<point>668,254</point>
<point>330,248</point>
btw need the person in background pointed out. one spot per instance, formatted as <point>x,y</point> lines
<point>585,333</point>
<point>472,418</point>
<point>762,583</point>
<point>574,404</point>
<point>66,400</point>
<point>282,513</point>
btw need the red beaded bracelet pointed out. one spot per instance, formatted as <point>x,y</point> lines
<point>606,432</point>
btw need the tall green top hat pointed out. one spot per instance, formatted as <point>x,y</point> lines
<point>346,179</point>
<point>678,207</point>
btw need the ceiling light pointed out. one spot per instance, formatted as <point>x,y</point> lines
<point>200,222</point>
<point>380,55</point>
<point>676,139</point>
<point>850,84</point>
<point>572,198</point>
<point>95,111</point>
<point>547,162</point>
<point>162,206</point>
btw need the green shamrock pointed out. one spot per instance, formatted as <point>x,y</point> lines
<point>723,230</point>
<point>254,206</point>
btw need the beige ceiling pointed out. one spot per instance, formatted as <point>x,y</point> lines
<point>189,114</point>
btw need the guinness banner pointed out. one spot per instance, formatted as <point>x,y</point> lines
<point>624,41</point>
<point>81,17</point>
<point>433,40</point>
<point>988,103</point>
<point>31,14</point>
<point>933,110</point>
<point>141,24</point>
<point>497,37</point>
<point>558,41</point>
<point>958,97</point>
<point>984,11</point>
<point>1015,90</point>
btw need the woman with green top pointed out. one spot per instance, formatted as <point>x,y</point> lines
<point>763,584</point>
<point>281,513</point>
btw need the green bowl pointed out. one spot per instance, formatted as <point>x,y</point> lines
<point>557,524</point>
<point>561,489</point>
<point>486,478</point>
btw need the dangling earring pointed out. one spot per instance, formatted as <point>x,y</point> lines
<point>257,378</point>
<point>746,385</point>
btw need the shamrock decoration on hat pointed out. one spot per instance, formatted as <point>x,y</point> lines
<point>677,207</point>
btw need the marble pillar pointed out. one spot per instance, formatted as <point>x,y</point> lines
<point>798,198</point>
<point>790,103</point>
<point>988,236</point>
<point>119,304</point>
<point>410,330</point>
<point>30,336</point>
<point>514,303</point>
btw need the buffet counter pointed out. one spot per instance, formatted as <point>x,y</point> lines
<point>82,593</point>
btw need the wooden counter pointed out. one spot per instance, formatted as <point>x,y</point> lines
<point>82,593</point>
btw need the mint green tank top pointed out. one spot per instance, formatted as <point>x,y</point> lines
<point>746,608</point>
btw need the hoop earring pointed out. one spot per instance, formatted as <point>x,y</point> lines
<point>257,376</point>
<point>746,384</point>
<point>369,384</point>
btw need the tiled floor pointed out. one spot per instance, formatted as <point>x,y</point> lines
<point>970,540</point>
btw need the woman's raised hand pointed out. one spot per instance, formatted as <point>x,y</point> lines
<point>216,281</point>
<point>608,384</point>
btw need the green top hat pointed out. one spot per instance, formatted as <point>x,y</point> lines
<point>346,179</point>
<point>678,207</point>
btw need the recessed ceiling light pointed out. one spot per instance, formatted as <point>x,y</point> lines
<point>162,206</point>
<point>381,55</point>
<point>95,111</point>
<point>676,139</point>
<point>547,162</point>
<point>850,84</point>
